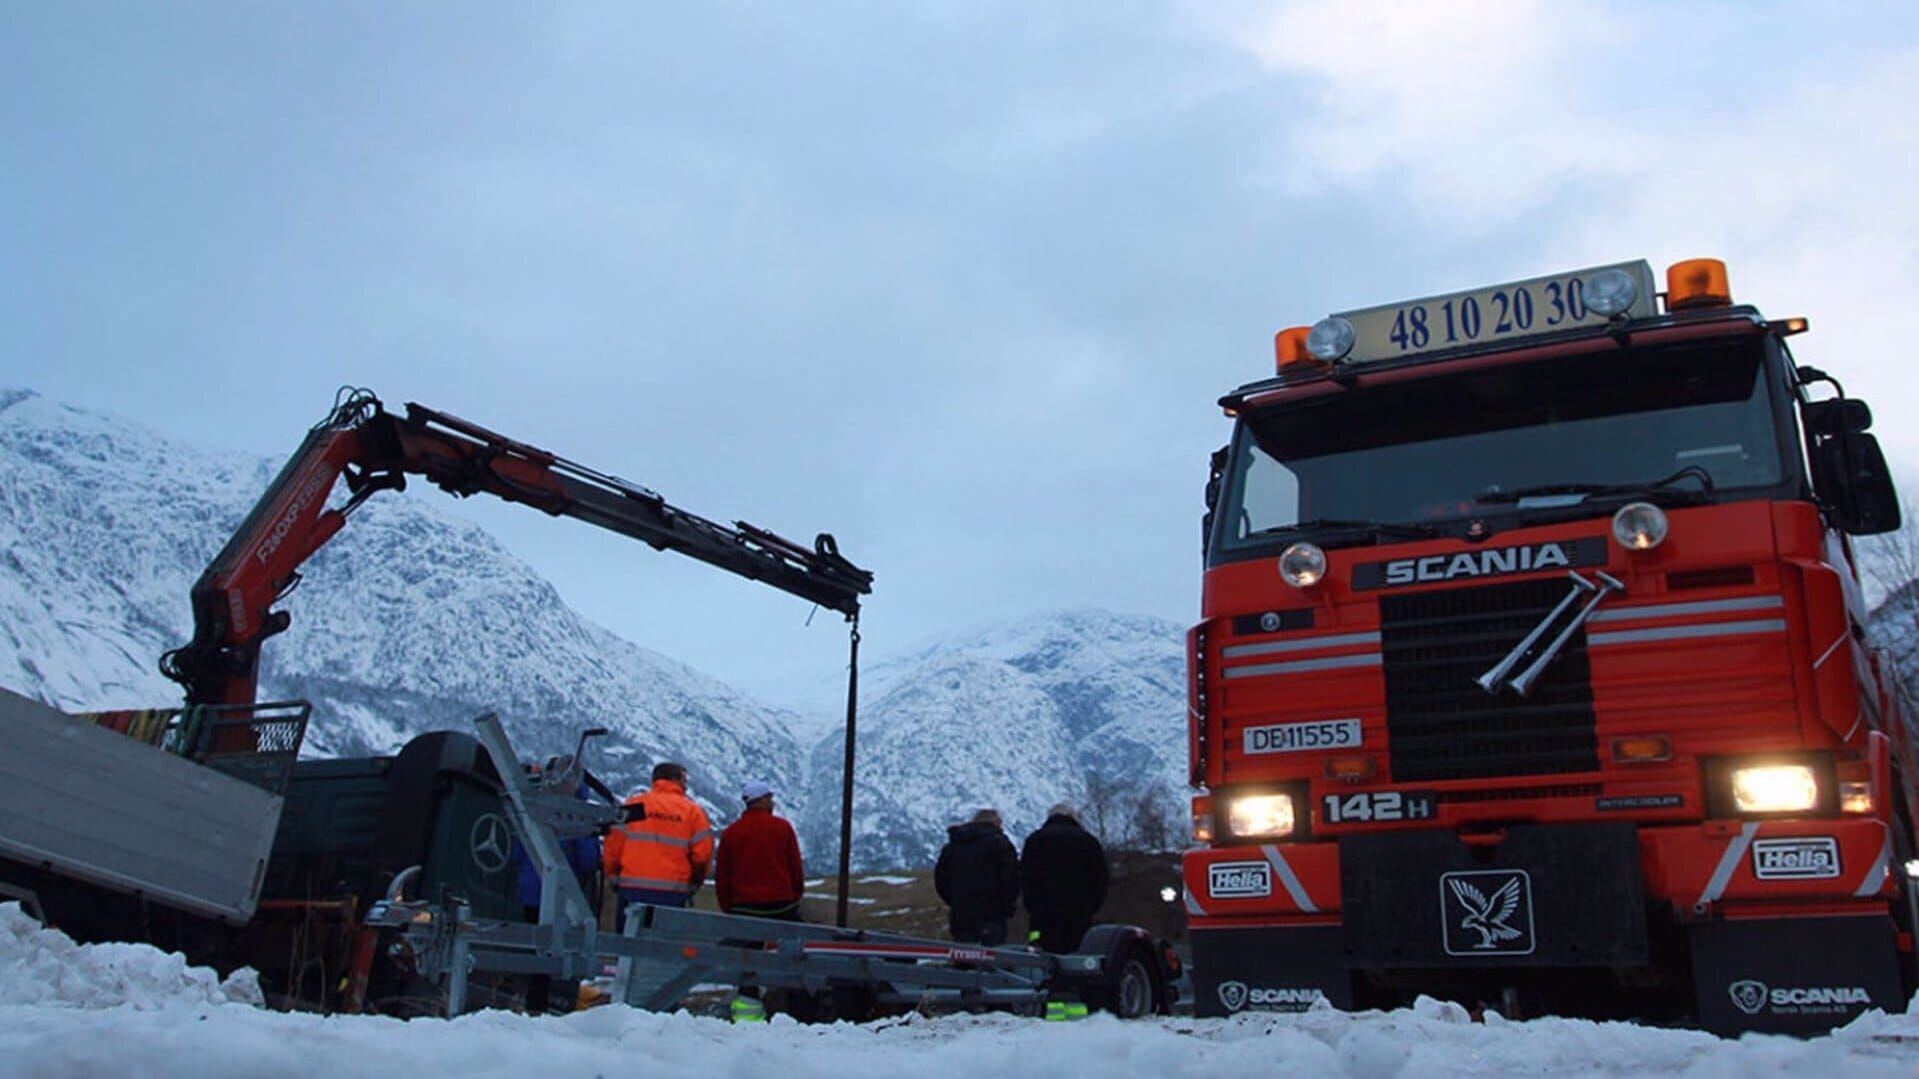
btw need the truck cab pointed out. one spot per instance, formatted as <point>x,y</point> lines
<point>1531,670</point>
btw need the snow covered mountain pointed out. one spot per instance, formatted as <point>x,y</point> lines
<point>1083,706</point>
<point>412,620</point>
<point>409,621</point>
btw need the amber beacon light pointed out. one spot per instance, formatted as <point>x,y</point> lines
<point>1697,283</point>
<point>1289,346</point>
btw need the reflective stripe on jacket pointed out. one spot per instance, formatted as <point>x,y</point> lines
<point>669,850</point>
<point>650,884</point>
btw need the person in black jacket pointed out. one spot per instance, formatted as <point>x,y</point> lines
<point>1062,873</point>
<point>978,879</point>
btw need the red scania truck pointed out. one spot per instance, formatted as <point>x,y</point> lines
<point>1532,673</point>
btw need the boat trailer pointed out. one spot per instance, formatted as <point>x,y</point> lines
<point>663,953</point>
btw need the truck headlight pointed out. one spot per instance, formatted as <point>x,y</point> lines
<point>1260,815</point>
<point>1639,526</point>
<point>1302,565</point>
<point>1774,788</point>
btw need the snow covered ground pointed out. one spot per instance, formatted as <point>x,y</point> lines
<point>127,1010</point>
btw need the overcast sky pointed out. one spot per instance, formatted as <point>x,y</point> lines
<point>957,282</point>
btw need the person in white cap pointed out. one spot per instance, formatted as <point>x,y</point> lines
<point>759,871</point>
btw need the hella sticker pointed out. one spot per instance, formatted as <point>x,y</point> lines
<point>1802,858</point>
<point>1239,880</point>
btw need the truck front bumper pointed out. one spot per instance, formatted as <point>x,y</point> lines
<point>1783,925</point>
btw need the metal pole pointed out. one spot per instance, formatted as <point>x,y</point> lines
<point>846,770</point>
<point>461,963</point>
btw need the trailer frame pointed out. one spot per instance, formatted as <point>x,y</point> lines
<point>662,953</point>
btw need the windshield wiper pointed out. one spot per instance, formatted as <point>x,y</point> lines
<point>1662,486</point>
<point>1373,528</point>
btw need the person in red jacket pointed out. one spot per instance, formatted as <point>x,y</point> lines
<point>759,871</point>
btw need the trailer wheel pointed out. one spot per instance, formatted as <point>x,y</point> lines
<point>1134,993</point>
<point>1128,981</point>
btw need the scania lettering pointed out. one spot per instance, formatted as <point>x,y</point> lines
<point>1571,561</point>
<point>1288,999</point>
<point>1484,563</point>
<point>1234,996</point>
<point>1799,997</point>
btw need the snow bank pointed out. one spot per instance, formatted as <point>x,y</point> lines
<point>39,966</point>
<point>132,1011</point>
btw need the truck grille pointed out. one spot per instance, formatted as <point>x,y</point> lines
<point>1441,725</point>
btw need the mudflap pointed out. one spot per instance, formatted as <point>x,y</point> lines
<point>1801,976</point>
<point>1268,968</point>
<point>1545,896</point>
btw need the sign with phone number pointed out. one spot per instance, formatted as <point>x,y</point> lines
<point>1506,312</point>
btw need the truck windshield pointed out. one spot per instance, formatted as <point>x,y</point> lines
<point>1426,451</point>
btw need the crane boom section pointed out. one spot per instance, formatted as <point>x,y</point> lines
<point>374,450</point>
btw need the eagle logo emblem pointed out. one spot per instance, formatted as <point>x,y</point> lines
<point>1488,911</point>
<point>1485,916</point>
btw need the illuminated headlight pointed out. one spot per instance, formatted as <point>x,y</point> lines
<point>1169,894</point>
<point>1639,526</point>
<point>1302,565</point>
<point>1774,788</point>
<point>1331,338</point>
<point>1610,292</point>
<point>1261,815</point>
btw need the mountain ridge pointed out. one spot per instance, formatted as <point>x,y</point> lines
<point>412,620</point>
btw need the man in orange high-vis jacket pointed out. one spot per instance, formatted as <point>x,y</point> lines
<point>661,857</point>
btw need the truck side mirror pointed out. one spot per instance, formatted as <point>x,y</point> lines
<point>1850,474</point>
<point>1839,415</point>
<point>1216,471</point>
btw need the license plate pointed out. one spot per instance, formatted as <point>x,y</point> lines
<point>1519,309</point>
<point>1299,737</point>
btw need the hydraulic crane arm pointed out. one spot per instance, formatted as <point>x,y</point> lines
<point>374,450</point>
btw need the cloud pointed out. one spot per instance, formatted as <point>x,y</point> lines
<point>1613,135</point>
<point>1467,104</point>
<point>1809,197</point>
